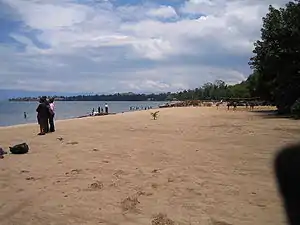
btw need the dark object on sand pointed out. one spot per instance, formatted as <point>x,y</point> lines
<point>2,152</point>
<point>287,169</point>
<point>19,149</point>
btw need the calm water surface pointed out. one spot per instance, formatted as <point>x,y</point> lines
<point>12,113</point>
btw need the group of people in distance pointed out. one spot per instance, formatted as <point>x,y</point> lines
<point>45,115</point>
<point>100,111</point>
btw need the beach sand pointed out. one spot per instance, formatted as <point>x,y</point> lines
<point>191,166</point>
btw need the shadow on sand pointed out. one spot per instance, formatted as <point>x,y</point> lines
<point>272,114</point>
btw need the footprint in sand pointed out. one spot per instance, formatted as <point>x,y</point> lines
<point>96,185</point>
<point>154,186</point>
<point>218,222</point>
<point>73,143</point>
<point>130,204</point>
<point>162,219</point>
<point>143,193</point>
<point>194,191</point>
<point>118,173</point>
<point>74,172</point>
<point>170,180</point>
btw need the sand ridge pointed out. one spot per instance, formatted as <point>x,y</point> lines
<point>191,166</point>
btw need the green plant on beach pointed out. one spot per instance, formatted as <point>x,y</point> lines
<point>154,115</point>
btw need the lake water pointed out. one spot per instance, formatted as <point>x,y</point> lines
<point>12,113</point>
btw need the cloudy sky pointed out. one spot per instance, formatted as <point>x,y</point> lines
<point>105,46</point>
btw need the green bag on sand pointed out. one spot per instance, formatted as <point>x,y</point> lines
<point>19,149</point>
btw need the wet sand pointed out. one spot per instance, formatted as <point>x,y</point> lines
<point>191,166</point>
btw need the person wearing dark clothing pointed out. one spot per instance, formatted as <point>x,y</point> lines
<point>52,114</point>
<point>43,115</point>
<point>99,110</point>
<point>106,108</point>
<point>48,106</point>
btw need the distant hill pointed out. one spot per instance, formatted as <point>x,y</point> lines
<point>7,94</point>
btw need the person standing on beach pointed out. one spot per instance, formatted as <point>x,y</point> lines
<point>52,114</point>
<point>48,107</point>
<point>42,116</point>
<point>106,108</point>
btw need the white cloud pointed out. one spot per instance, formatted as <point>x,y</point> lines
<point>49,16</point>
<point>163,12</point>
<point>100,46</point>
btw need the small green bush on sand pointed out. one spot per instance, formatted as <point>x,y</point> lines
<point>154,115</point>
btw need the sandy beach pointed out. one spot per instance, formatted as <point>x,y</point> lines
<point>191,166</point>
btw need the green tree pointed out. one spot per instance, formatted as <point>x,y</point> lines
<point>239,90</point>
<point>276,57</point>
<point>216,91</point>
<point>252,84</point>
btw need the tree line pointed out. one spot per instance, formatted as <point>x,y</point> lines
<point>209,91</point>
<point>218,90</point>
<point>119,97</point>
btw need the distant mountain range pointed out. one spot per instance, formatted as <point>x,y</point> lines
<point>7,94</point>
<point>13,94</point>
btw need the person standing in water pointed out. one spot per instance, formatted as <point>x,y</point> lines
<point>106,108</point>
<point>52,114</point>
<point>25,115</point>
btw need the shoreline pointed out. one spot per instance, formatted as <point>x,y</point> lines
<point>13,115</point>
<point>263,108</point>
<point>68,119</point>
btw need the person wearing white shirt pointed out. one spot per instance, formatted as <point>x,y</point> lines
<point>52,114</point>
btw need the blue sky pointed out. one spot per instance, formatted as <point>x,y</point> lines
<point>105,46</point>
